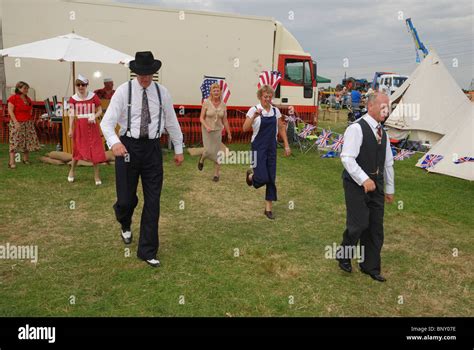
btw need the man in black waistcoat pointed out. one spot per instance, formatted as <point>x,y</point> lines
<point>368,161</point>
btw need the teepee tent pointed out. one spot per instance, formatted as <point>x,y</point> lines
<point>428,105</point>
<point>456,148</point>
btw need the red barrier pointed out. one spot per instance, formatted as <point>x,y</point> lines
<point>49,133</point>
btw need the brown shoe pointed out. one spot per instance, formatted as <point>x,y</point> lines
<point>247,177</point>
<point>269,215</point>
<point>215,178</point>
<point>200,165</point>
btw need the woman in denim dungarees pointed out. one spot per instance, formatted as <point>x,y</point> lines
<point>266,122</point>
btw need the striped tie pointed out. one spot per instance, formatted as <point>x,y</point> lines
<point>145,119</point>
<point>379,134</point>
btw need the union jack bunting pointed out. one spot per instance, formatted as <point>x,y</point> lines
<point>338,142</point>
<point>464,160</point>
<point>323,139</point>
<point>306,130</point>
<point>290,118</point>
<point>271,78</point>
<point>404,154</point>
<point>430,161</point>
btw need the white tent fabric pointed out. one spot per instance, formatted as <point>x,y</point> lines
<point>70,48</point>
<point>428,104</point>
<point>456,144</point>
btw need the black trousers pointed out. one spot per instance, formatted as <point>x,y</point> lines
<point>364,223</point>
<point>144,160</point>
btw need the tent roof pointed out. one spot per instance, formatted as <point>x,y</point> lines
<point>429,100</point>
<point>456,144</point>
<point>320,79</point>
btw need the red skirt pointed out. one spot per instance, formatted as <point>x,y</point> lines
<point>87,142</point>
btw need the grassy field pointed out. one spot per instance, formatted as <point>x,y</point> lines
<point>280,268</point>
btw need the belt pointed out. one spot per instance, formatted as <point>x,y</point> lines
<point>85,116</point>
<point>142,139</point>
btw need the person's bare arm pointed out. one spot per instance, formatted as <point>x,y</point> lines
<point>98,114</point>
<point>202,119</point>
<point>226,126</point>
<point>71,119</point>
<point>249,121</point>
<point>11,112</point>
<point>282,131</point>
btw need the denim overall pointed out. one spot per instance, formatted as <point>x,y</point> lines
<point>264,146</point>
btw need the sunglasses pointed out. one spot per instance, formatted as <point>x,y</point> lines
<point>81,84</point>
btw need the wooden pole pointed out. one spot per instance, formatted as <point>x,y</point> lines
<point>73,78</point>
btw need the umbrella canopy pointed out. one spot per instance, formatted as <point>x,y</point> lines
<point>70,48</point>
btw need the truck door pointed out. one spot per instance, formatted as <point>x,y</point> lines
<point>298,84</point>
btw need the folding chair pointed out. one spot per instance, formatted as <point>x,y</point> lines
<point>306,137</point>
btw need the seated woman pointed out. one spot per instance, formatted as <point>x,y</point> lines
<point>266,122</point>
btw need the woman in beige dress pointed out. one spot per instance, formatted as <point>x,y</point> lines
<point>213,120</point>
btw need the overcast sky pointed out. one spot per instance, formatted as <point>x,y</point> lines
<point>368,33</point>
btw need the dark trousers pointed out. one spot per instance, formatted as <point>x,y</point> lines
<point>364,223</point>
<point>264,174</point>
<point>144,160</point>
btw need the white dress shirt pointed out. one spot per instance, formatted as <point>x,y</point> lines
<point>117,114</point>
<point>350,151</point>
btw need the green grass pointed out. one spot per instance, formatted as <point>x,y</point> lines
<point>81,253</point>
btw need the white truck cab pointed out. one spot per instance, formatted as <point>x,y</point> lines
<point>388,83</point>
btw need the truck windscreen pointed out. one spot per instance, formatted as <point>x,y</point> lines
<point>398,81</point>
<point>298,71</point>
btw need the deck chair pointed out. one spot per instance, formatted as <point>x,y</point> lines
<point>54,121</point>
<point>306,137</point>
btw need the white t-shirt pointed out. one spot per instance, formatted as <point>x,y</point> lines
<point>256,121</point>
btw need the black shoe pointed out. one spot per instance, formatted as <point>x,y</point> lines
<point>378,278</point>
<point>126,239</point>
<point>269,215</point>
<point>152,262</point>
<point>375,276</point>
<point>215,178</point>
<point>248,179</point>
<point>200,165</point>
<point>345,266</point>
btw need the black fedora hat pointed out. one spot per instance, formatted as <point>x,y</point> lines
<point>144,63</point>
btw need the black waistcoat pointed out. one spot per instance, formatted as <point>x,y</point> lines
<point>371,156</point>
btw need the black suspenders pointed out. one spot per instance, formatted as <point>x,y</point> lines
<point>160,112</point>
<point>129,110</point>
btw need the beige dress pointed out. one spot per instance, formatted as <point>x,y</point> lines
<point>212,140</point>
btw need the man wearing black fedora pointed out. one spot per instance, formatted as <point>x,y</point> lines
<point>143,109</point>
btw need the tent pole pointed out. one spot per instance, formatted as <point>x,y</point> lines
<point>73,78</point>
